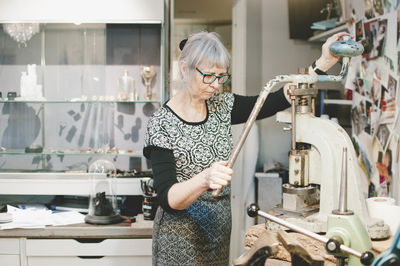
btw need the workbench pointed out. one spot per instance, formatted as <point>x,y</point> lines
<point>79,245</point>
<point>314,248</point>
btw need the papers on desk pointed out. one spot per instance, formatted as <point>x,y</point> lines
<point>40,217</point>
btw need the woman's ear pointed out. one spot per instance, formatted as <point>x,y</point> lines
<point>182,68</point>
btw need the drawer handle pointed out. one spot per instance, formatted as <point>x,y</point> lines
<point>89,240</point>
<point>91,257</point>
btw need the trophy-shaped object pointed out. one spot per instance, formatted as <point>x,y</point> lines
<point>148,73</point>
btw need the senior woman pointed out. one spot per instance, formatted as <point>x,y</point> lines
<point>189,141</point>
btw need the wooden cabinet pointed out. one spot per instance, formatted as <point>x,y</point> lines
<point>10,252</point>
<point>77,252</point>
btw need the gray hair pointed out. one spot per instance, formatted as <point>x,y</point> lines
<point>203,48</point>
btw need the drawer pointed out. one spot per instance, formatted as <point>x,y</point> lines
<point>9,260</point>
<point>77,261</point>
<point>9,246</point>
<point>100,247</point>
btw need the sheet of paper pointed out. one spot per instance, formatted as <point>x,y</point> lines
<point>39,218</point>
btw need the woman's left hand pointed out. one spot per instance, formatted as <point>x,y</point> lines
<point>327,59</point>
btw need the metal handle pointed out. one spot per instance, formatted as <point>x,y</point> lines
<point>253,115</point>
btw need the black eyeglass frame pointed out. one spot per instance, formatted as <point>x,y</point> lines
<point>215,77</point>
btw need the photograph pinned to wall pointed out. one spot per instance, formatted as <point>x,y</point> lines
<point>369,109</point>
<point>375,114</point>
<point>374,186</point>
<point>389,5</point>
<point>358,114</point>
<point>376,91</point>
<point>363,68</point>
<point>386,163</point>
<point>387,106</point>
<point>381,71</point>
<point>352,73</point>
<point>392,86</point>
<point>378,8</point>
<point>395,146</point>
<point>398,59</point>
<point>370,30</point>
<point>378,31</point>
<point>398,26</point>
<point>382,135</point>
<point>359,32</point>
<point>363,158</point>
<point>396,127</point>
<point>396,140</point>
<point>369,9</point>
<point>384,167</point>
<point>359,86</point>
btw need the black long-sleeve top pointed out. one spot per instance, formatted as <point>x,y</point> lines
<point>163,161</point>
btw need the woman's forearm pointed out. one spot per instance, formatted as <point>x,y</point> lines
<point>182,195</point>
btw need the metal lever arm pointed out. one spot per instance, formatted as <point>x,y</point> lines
<point>250,121</point>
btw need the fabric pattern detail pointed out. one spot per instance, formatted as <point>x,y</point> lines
<point>198,235</point>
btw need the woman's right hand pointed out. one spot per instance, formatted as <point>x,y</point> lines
<point>218,175</point>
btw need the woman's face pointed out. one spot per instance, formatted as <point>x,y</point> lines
<point>199,89</point>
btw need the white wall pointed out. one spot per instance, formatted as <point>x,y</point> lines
<point>280,55</point>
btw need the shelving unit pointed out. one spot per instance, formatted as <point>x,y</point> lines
<point>80,50</point>
<point>76,101</point>
<point>321,37</point>
<point>99,123</point>
<point>75,184</point>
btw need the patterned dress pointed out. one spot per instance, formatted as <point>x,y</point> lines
<point>200,234</point>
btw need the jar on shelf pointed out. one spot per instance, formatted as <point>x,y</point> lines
<point>103,208</point>
<point>126,88</point>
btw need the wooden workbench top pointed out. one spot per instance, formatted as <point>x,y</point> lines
<point>139,229</point>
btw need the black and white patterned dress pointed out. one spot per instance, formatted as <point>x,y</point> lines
<point>200,234</point>
<point>178,150</point>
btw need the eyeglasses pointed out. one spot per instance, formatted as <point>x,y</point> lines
<point>210,78</point>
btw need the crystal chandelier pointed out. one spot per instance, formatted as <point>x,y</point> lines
<point>21,32</point>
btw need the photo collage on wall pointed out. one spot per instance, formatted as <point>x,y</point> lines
<point>374,79</point>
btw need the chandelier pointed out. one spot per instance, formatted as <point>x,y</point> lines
<point>21,32</point>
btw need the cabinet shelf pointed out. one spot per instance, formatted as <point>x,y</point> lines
<point>77,101</point>
<point>73,152</point>
<point>321,37</point>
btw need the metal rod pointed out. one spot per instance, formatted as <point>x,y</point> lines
<point>313,105</point>
<point>253,115</point>
<point>343,184</point>
<point>293,124</point>
<point>307,233</point>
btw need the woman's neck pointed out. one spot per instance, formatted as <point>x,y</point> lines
<point>189,108</point>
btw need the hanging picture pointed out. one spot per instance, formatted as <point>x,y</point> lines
<point>369,9</point>
<point>383,135</point>
<point>359,30</point>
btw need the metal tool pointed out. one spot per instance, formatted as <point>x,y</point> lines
<point>345,227</point>
<point>366,257</point>
<point>344,48</point>
<point>346,234</point>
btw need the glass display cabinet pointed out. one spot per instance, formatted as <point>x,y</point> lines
<point>73,92</point>
<point>78,81</point>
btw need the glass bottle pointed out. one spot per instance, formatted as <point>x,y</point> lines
<point>126,87</point>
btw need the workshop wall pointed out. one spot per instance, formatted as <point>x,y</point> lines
<point>280,55</point>
<point>373,79</point>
